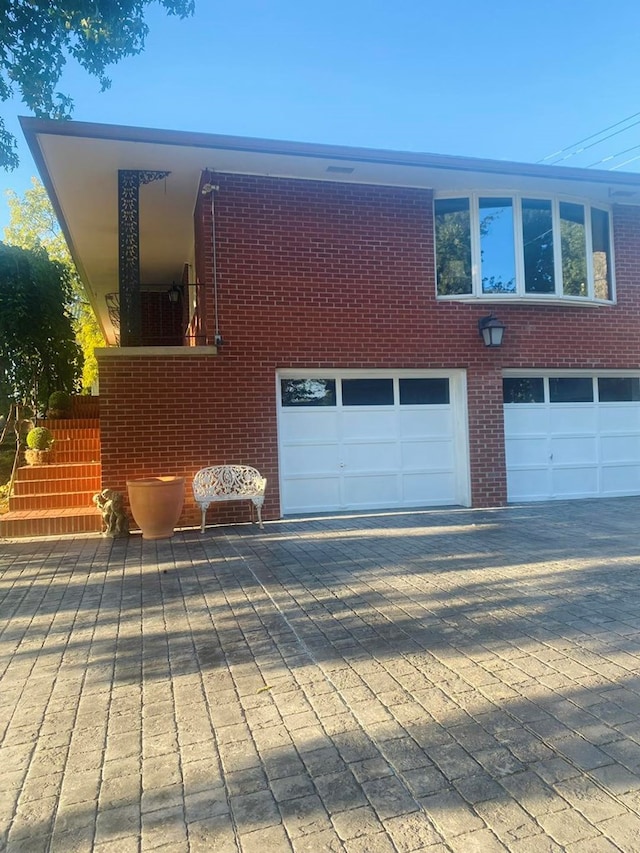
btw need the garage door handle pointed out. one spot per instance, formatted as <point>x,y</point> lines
<point>342,465</point>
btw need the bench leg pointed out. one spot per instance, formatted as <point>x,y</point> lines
<point>258,505</point>
<point>204,517</point>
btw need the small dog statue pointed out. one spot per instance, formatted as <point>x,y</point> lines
<point>111,505</point>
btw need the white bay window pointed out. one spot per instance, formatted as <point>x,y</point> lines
<point>516,246</point>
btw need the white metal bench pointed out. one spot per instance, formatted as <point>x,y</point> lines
<point>229,483</point>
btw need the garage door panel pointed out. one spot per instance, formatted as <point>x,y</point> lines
<point>426,454</point>
<point>368,423</point>
<point>567,450</point>
<point>429,421</point>
<point>619,418</point>
<point>528,484</point>
<point>532,420</point>
<point>370,456</point>
<point>620,448</point>
<point>527,451</point>
<point>573,420</point>
<point>436,487</point>
<point>311,494</point>
<point>309,425</point>
<point>374,490</point>
<point>310,459</point>
<point>574,482</point>
<point>620,479</point>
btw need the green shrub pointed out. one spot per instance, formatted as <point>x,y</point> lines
<point>39,438</point>
<point>60,401</point>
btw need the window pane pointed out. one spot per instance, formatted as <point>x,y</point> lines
<point>537,236</point>
<point>453,245</point>
<point>367,392</point>
<point>424,392</point>
<point>601,253</point>
<point>574,249</point>
<point>571,390</point>
<point>308,392</point>
<point>523,390</point>
<point>496,244</point>
<point>618,389</point>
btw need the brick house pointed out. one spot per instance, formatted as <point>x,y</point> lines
<point>314,311</point>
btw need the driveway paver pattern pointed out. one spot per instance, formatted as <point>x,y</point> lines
<point>450,680</point>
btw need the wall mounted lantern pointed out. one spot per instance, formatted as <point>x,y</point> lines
<point>174,293</point>
<point>491,330</point>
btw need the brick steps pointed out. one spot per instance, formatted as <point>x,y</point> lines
<point>71,453</point>
<point>52,500</point>
<point>68,426</point>
<point>60,471</point>
<point>55,499</point>
<point>56,484</point>
<point>84,438</point>
<point>86,407</point>
<point>50,522</point>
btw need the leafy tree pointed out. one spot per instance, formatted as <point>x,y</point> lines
<point>309,392</point>
<point>38,352</point>
<point>33,225</point>
<point>574,257</point>
<point>38,36</point>
<point>88,337</point>
<point>453,247</point>
<point>537,233</point>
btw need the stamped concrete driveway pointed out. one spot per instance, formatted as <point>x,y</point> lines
<point>443,681</point>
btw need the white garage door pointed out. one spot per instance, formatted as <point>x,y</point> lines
<point>572,436</point>
<point>374,440</point>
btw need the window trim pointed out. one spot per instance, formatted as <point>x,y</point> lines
<point>521,295</point>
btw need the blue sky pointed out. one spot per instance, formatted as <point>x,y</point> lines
<point>507,80</point>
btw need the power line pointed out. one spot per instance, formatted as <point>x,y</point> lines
<point>626,163</point>
<point>597,142</point>
<point>587,138</point>
<point>613,157</point>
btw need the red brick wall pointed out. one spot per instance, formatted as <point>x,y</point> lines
<point>161,321</point>
<point>315,274</point>
<point>170,415</point>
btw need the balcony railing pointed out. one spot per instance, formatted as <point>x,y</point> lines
<point>168,316</point>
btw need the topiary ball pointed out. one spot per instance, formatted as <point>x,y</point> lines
<point>60,401</point>
<point>39,438</point>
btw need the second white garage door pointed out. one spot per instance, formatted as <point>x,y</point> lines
<point>573,436</point>
<point>372,440</point>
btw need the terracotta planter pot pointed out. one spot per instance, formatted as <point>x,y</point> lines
<point>156,505</point>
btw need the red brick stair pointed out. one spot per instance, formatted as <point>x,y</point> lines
<point>55,499</point>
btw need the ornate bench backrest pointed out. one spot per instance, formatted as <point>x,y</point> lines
<point>226,480</point>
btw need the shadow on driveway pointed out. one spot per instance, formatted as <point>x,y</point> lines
<point>384,681</point>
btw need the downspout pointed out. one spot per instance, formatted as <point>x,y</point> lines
<point>210,190</point>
